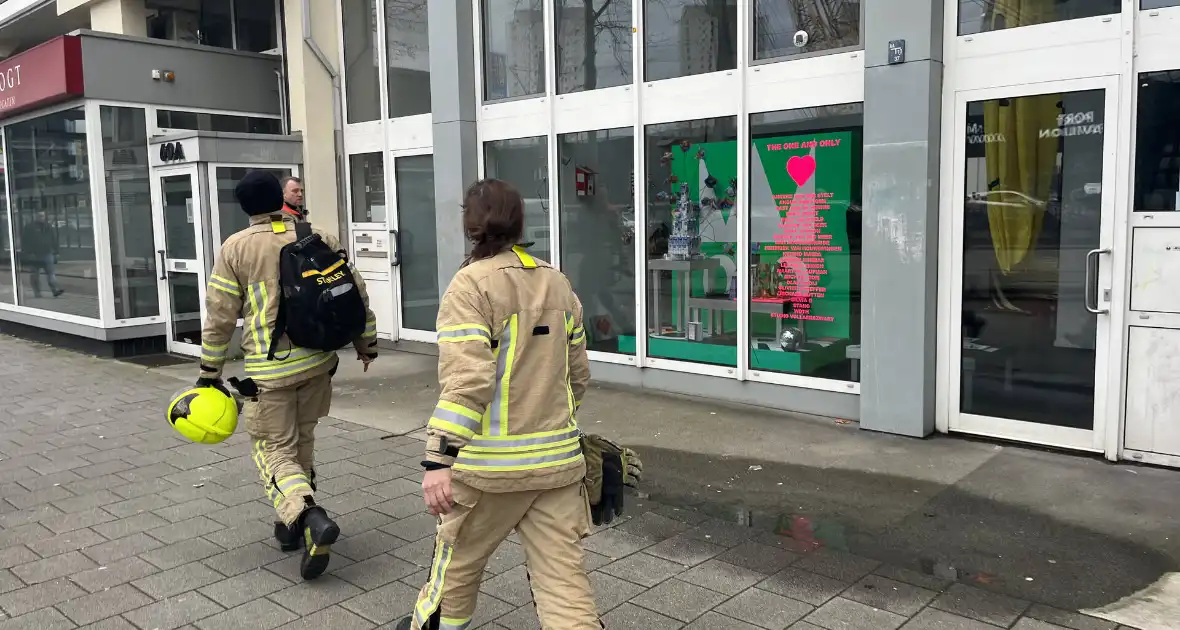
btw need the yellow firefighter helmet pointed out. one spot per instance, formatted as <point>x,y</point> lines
<point>205,415</point>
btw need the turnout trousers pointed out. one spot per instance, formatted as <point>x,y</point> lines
<point>281,423</point>
<point>551,524</point>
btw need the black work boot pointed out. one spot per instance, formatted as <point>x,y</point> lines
<point>319,532</point>
<point>406,623</point>
<point>288,537</point>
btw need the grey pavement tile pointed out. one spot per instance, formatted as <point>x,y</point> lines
<point>383,605</point>
<point>395,488</point>
<point>615,544</point>
<point>260,614</point>
<point>240,514</point>
<point>679,600</point>
<point>60,464</point>
<point>189,577</point>
<point>611,592</point>
<point>25,500</point>
<point>86,500</point>
<point>643,569</point>
<point>144,488</point>
<point>38,596</point>
<point>975,603</point>
<point>686,551</point>
<point>804,586</point>
<point>103,604</point>
<point>329,619</point>
<point>351,502</point>
<point>119,572</point>
<point>63,478</point>
<point>722,577</point>
<point>33,515</point>
<point>1071,620</point>
<point>653,527</point>
<point>385,472</point>
<point>845,614</point>
<point>523,618</point>
<point>308,597</point>
<point>932,619</point>
<point>803,625</point>
<point>130,525</point>
<point>375,572</point>
<point>915,578</point>
<point>593,561</point>
<point>173,612</point>
<point>9,582</point>
<point>837,565</point>
<point>401,507</point>
<point>69,541</point>
<point>341,484</point>
<point>896,597</point>
<point>69,522</point>
<point>764,609</point>
<point>758,557</point>
<point>113,623</point>
<point>138,505</point>
<point>184,530</point>
<point>367,545</point>
<point>362,521</point>
<point>1035,624</point>
<point>632,617</point>
<point>688,516</point>
<point>241,535</point>
<point>242,588</point>
<point>44,619</point>
<point>288,567</point>
<point>420,553</point>
<point>132,545</point>
<point>714,621</point>
<point>55,567</point>
<point>153,472</point>
<point>379,458</point>
<point>511,586</point>
<point>182,552</point>
<point>243,559</point>
<point>90,484</point>
<point>16,554</point>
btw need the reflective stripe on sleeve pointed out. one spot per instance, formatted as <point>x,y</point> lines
<point>212,354</point>
<point>456,419</point>
<point>370,329</point>
<point>224,285</point>
<point>464,332</point>
<point>578,336</point>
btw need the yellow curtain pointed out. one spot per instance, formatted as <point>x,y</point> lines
<point>1019,160</point>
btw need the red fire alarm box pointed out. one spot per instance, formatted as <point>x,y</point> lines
<point>584,181</point>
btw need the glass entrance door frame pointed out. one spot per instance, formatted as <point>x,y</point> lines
<point>393,219</point>
<point>169,266</point>
<point>1109,259</point>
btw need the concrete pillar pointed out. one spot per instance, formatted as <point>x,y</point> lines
<point>125,17</point>
<point>902,134</point>
<point>313,104</point>
<point>453,101</point>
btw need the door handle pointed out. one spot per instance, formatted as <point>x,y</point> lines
<point>1092,281</point>
<point>395,240</point>
<point>163,265</point>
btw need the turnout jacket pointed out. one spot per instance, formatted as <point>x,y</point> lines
<point>245,284</point>
<point>512,367</point>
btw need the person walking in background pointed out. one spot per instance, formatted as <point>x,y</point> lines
<point>39,253</point>
<point>293,197</point>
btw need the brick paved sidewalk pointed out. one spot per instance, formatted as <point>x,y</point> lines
<point>110,521</point>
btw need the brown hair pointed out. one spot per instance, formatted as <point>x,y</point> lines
<point>493,217</point>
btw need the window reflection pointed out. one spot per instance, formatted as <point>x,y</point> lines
<point>407,51</point>
<point>980,16</point>
<point>603,61</point>
<point>513,48</point>
<point>691,240</point>
<point>368,188</point>
<point>1157,143</point>
<point>49,180</point>
<point>597,214</point>
<point>805,246</point>
<point>129,212</point>
<point>7,289</point>
<point>523,162</point>
<point>361,71</point>
<point>687,37</point>
<point>797,27</point>
<point>419,246</point>
<point>229,214</point>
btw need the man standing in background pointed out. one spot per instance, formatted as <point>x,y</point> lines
<point>293,197</point>
<point>39,252</point>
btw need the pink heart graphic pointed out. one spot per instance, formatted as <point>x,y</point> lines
<point>801,168</point>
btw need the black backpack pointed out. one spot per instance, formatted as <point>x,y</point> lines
<point>320,306</point>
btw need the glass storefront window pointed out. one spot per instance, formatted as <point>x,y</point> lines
<point>129,212</point>
<point>49,182</point>
<point>524,163</point>
<point>175,119</point>
<point>407,50</point>
<point>981,17</point>
<point>597,214</point>
<point>255,23</point>
<point>593,44</point>
<point>207,22</point>
<point>687,37</point>
<point>229,214</point>
<point>784,29</point>
<point>513,48</point>
<point>7,289</point>
<point>418,242</point>
<point>1033,209</point>
<point>1157,143</point>
<point>805,247</point>
<point>361,60</point>
<point>368,187</point>
<point>691,240</point>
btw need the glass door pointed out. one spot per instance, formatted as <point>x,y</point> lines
<point>413,246</point>
<point>1033,228</point>
<point>182,256</point>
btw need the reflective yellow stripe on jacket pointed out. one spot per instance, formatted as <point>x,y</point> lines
<point>287,362</point>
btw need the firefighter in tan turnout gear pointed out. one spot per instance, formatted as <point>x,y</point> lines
<point>287,388</point>
<point>513,369</point>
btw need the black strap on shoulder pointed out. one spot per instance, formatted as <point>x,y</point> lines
<point>302,230</point>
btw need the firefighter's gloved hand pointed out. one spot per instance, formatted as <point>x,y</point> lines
<point>632,468</point>
<point>610,503</point>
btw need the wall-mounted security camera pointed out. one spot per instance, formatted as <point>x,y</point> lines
<point>800,39</point>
